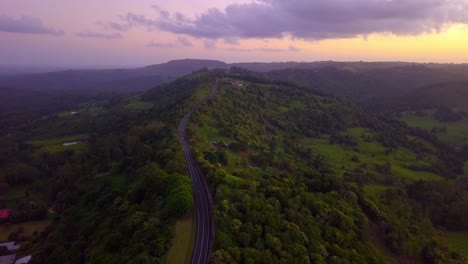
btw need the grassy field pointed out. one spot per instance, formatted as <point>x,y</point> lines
<point>426,122</point>
<point>182,243</point>
<point>459,240</point>
<point>235,181</point>
<point>375,190</point>
<point>370,153</point>
<point>55,145</point>
<point>139,106</point>
<point>28,228</point>
<point>457,132</point>
<point>210,133</point>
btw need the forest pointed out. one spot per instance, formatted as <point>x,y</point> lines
<point>297,175</point>
<point>284,192</point>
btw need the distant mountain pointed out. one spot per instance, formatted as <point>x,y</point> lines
<point>62,89</point>
<point>370,84</point>
<point>350,66</point>
<point>109,80</point>
<point>339,78</point>
<point>370,87</point>
<point>182,67</point>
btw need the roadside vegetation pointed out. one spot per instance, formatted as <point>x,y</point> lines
<point>103,184</point>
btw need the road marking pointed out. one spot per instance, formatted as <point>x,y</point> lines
<point>202,197</point>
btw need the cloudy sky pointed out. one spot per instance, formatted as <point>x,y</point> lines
<point>139,32</point>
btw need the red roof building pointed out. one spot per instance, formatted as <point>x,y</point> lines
<point>4,214</point>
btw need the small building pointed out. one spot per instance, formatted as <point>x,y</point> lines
<point>4,214</point>
<point>67,144</point>
<point>11,246</point>
<point>237,83</point>
<point>217,144</point>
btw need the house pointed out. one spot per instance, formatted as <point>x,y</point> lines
<point>67,144</point>
<point>217,144</point>
<point>9,259</point>
<point>11,246</point>
<point>23,260</point>
<point>4,214</point>
<point>237,83</point>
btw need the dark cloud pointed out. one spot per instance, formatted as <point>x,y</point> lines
<point>26,24</point>
<point>132,20</point>
<point>160,45</point>
<point>315,19</point>
<point>265,49</point>
<point>185,42</point>
<point>99,35</point>
<point>292,48</point>
<point>119,27</point>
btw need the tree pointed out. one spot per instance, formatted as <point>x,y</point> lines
<point>180,197</point>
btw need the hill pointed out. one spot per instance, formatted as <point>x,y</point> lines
<point>439,108</point>
<point>55,90</point>
<point>370,84</point>
<point>370,87</point>
<point>448,95</point>
<point>296,176</point>
<point>299,176</point>
<point>109,80</point>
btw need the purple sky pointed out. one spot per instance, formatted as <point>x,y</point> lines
<point>138,32</point>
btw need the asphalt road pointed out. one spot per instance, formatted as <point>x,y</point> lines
<point>203,202</point>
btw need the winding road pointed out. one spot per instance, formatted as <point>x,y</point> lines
<point>203,202</point>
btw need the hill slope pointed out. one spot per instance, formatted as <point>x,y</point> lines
<point>296,175</point>
<point>449,95</point>
<point>369,87</point>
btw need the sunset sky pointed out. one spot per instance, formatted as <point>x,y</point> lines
<point>140,32</point>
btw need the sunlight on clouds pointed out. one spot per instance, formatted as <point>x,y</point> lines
<point>446,46</point>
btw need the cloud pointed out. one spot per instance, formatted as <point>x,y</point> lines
<point>160,45</point>
<point>209,44</point>
<point>315,19</point>
<point>292,48</point>
<point>231,40</point>
<point>133,20</point>
<point>185,42</point>
<point>119,27</point>
<point>107,36</point>
<point>181,42</point>
<point>26,24</point>
<point>265,49</point>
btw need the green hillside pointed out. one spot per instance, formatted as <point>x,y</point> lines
<point>295,176</point>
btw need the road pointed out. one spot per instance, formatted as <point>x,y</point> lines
<point>203,202</point>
